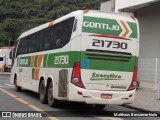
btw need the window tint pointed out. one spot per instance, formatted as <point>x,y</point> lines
<point>54,37</point>
<point>1,58</point>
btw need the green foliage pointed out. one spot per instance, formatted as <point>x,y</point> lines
<point>17,16</point>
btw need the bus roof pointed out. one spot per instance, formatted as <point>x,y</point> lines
<point>45,25</point>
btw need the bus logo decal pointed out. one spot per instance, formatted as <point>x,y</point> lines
<point>85,63</point>
<point>36,62</point>
<point>111,27</point>
<point>96,76</point>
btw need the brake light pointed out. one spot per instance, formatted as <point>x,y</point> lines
<point>76,75</point>
<point>133,84</point>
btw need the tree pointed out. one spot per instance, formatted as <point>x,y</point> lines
<point>17,16</point>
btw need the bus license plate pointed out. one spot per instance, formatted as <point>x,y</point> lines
<point>106,96</point>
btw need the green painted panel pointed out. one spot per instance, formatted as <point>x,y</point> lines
<point>133,27</point>
<point>101,26</point>
<point>24,61</point>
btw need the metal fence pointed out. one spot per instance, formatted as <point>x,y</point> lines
<point>149,71</point>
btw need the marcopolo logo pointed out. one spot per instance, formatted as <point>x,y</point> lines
<point>96,76</point>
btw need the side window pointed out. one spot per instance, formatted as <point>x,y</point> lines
<point>24,46</point>
<point>16,45</point>
<point>53,37</point>
<point>39,40</point>
<point>19,49</point>
<point>63,32</point>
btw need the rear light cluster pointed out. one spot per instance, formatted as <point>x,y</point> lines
<point>133,84</point>
<point>76,75</point>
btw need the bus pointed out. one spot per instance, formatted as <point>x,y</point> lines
<point>85,56</point>
<point>5,61</point>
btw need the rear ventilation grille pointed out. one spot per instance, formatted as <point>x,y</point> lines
<point>108,55</point>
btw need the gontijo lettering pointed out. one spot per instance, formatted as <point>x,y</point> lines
<point>101,26</point>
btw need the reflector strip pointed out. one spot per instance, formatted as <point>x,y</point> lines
<point>109,36</point>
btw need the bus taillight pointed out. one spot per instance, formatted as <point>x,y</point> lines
<point>133,84</point>
<point>76,75</point>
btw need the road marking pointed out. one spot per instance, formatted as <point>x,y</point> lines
<point>9,84</point>
<point>5,73</point>
<point>109,118</point>
<point>28,104</point>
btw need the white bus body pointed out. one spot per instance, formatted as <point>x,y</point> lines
<point>5,61</point>
<point>94,62</point>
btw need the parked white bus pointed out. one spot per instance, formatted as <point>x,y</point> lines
<point>85,56</point>
<point>5,61</point>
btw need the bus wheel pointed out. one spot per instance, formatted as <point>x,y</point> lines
<point>51,101</point>
<point>100,107</point>
<point>18,88</point>
<point>42,93</point>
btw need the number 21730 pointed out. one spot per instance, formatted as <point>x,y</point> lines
<point>108,44</point>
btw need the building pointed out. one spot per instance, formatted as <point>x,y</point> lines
<point>148,14</point>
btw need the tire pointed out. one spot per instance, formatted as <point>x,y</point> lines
<point>42,92</point>
<point>100,107</point>
<point>17,88</point>
<point>51,101</point>
<point>138,85</point>
<point>5,69</point>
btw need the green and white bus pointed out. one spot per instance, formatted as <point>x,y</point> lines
<point>85,56</point>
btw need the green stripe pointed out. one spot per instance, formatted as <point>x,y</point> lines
<point>111,65</point>
<point>73,56</point>
<point>35,60</point>
<point>44,60</point>
<point>92,63</point>
<point>133,27</point>
<point>136,63</point>
<point>33,71</point>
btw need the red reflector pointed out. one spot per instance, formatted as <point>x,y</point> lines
<point>79,93</point>
<point>130,95</point>
<point>85,11</point>
<point>133,17</point>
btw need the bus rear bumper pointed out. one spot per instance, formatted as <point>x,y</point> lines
<point>101,97</point>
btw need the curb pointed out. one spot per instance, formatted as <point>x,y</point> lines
<point>5,73</point>
<point>141,109</point>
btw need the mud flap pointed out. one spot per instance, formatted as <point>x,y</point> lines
<point>62,84</point>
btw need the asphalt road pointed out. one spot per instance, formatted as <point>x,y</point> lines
<point>13,101</point>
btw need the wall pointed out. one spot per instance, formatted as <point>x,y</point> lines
<point>149,21</point>
<point>122,4</point>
